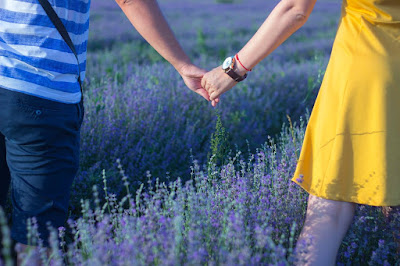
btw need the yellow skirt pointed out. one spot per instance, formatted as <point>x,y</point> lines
<point>351,148</point>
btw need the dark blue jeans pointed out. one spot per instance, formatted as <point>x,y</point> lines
<point>39,158</point>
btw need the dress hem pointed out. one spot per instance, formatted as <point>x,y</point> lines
<point>306,188</point>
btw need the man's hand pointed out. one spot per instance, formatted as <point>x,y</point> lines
<point>147,18</point>
<point>192,76</point>
<point>216,82</point>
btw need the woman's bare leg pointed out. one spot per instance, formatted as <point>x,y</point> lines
<point>327,222</point>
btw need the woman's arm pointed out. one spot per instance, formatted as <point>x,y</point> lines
<point>285,19</point>
<point>146,17</point>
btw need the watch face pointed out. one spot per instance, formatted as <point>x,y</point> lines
<point>227,63</point>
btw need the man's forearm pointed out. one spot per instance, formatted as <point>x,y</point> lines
<point>146,17</point>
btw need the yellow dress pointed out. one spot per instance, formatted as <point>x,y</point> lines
<point>351,148</point>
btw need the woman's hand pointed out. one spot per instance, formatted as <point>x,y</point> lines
<point>216,82</point>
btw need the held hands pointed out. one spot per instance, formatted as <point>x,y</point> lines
<point>217,82</point>
<point>192,76</point>
<point>210,85</point>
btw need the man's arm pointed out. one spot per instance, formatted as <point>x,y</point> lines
<point>146,17</point>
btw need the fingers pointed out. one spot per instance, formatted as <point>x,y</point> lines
<point>204,93</point>
<point>206,85</point>
<point>209,88</point>
<point>204,82</point>
<point>214,95</point>
<point>212,92</point>
<point>215,102</point>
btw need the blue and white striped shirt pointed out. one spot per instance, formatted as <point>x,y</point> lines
<point>34,58</point>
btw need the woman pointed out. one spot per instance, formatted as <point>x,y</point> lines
<point>351,146</point>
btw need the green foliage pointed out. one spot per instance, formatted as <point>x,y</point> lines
<point>99,103</point>
<point>225,1</point>
<point>237,116</point>
<point>201,42</point>
<point>312,82</point>
<point>220,144</point>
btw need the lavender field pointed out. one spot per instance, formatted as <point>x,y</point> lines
<point>166,179</point>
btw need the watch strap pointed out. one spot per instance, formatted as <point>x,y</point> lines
<point>235,76</point>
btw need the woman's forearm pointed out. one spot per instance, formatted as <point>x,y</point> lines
<point>286,18</point>
<point>146,17</point>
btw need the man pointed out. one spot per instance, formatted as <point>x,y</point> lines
<point>41,101</point>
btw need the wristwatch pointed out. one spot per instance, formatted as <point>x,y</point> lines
<point>228,66</point>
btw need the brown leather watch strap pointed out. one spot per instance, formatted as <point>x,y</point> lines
<point>235,76</point>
